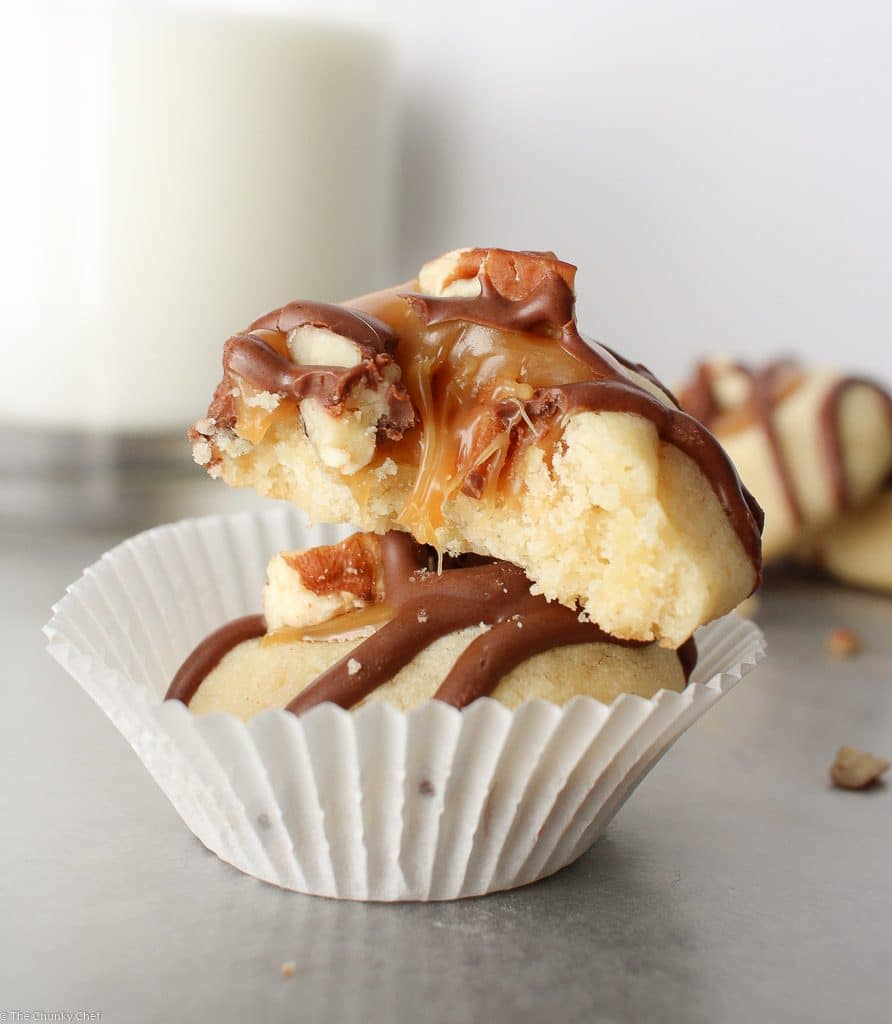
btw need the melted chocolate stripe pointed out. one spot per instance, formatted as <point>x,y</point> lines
<point>210,652</point>
<point>492,655</point>
<point>698,398</point>
<point>830,434</point>
<point>762,399</point>
<point>252,359</point>
<point>828,425</point>
<point>381,656</point>
<point>549,303</point>
<point>260,365</point>
<point>366,330</point>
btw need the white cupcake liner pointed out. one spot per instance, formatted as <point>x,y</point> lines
<point>379,804</point>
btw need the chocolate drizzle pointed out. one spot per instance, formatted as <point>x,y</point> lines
<point>256,361</point>
<point>831,440</point>
<point>370,334</point>
<point>427,605</point>
<point>764,387</point>
<point>249,356</point>
<point>210,652</point>
<point>548,303</point>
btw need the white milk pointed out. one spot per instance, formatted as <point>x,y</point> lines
<point>166,178</point>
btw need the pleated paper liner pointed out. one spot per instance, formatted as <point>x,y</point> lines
<point>380,804</point>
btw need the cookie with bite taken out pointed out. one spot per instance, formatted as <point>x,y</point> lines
<point>466,409</point>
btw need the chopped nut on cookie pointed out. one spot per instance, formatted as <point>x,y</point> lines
<point>305,588</point>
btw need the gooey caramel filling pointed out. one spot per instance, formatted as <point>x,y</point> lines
<point>471,384</point>
<point>350,624</point>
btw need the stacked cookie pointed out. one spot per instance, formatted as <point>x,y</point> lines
<point>816,448</point>
<point>538,517</point>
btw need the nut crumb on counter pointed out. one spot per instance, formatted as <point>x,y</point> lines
<point>856,769</point>
<point>843,643</point>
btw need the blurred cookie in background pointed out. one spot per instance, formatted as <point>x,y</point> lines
<point>815,448</point>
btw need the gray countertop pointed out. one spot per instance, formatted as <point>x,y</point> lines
<point>736,885</point>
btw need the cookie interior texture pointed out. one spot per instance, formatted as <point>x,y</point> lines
<point>598,505</point>
<point>254,676</point>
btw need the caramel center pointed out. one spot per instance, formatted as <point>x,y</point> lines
<point>469,383</point>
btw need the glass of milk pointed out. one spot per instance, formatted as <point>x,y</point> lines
<point>171,172</point>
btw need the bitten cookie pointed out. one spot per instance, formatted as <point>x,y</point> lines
<point>371,618</point>
<point>466,409</point>
<point>811,445</point>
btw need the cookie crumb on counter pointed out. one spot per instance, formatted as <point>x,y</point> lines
<point>856,769</point>
<point>843,643</point>
<point>288,968</point>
